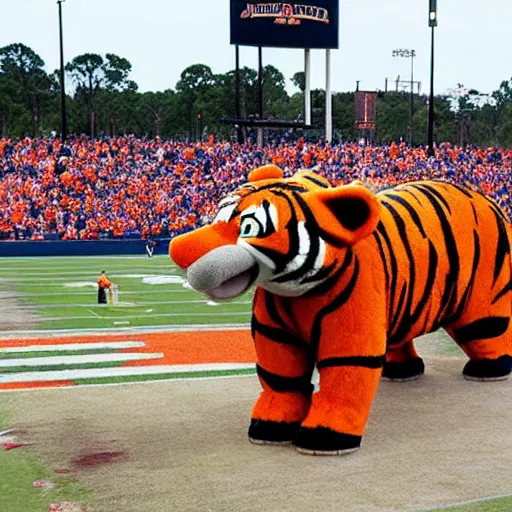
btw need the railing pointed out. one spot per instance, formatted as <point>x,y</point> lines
<point>79,247</point>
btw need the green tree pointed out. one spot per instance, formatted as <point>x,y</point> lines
<point>25,85</point>
<point>92,74</point>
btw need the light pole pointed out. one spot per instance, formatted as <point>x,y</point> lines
<point>409,54</point>
<point>432,23</point>
<point>63,119</point>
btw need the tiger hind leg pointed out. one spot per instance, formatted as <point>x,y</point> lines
<point>403,363</point>
<point>488,344</point>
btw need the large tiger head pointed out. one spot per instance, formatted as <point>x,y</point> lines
<point>287,236</point>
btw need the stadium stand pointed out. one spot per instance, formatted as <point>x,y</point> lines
<point>127,187</point>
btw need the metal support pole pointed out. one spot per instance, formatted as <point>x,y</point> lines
<point>260,88</point>
<point>431,151</point>
<point>260,81</point>
<point>239,135</point>
<point>307,86</point>
<point>328,97</point>
<point>63,121</point>
<point>411,106</point>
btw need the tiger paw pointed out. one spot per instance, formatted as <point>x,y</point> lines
<point>411,369</point>
<point>484,370</point>
<point>324,441</point>
<point>272,432</point>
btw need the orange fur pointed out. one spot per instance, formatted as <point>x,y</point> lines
<point>393,266</point>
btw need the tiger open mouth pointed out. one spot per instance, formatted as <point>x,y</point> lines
<point>224,273</point>
<point>235,286</point>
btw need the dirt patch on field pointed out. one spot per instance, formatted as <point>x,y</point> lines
<point>437,440</point>
<point>12,317</point>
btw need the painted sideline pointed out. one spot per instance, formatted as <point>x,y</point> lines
<point>131,383</point>
<point>64,333</point>
<point>126,371</point>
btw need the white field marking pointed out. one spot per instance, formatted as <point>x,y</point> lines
<point>226,313</point>
<point>81,271</point>
<point>81,284</point>
<point>165,279</point>
<point>88,269</point>
<point>121,323</point>
<point>61,285</point>
<point>109,331</point>
<point>70,293</point>
<point>125,371</point>
<point>95,314</point>
<point>67,347</point>
<point>81,274</point>
<point>81,359</point>
<point>153,381</point>
<point>468,502</point>
<point>133,304</point>
<point>67,259</point>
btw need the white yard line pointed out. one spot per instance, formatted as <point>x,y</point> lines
<point>83,272</point>
<point>61,286</point>
<point>68,293</point>
<point>114,345</point>
<point>78,277</point>
<point>90,311</point>
<point>148,315</point>
<point>126,371</point>
<point>81,359</point>
<point>131,305</point>
<point>111,331</point>
<point>63,259</point>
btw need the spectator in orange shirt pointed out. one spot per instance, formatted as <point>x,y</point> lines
<point>103,285</point>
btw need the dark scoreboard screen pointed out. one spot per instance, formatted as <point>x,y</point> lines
<point>294,24</point>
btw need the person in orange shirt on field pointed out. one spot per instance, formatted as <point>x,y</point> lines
<point>103,285</point>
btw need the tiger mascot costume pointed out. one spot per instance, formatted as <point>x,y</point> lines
<point>346,279</point>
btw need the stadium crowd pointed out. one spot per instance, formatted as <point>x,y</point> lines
<point>131,187</point>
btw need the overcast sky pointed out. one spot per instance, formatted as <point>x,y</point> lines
<point>162,37</point>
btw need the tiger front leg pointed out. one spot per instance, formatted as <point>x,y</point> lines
<point>284,370</point>
<point>339,410</point>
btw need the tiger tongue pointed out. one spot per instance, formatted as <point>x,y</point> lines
<point>231,288</point>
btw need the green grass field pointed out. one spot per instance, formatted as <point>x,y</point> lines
<point>20,469</point>
<point>61,295</point>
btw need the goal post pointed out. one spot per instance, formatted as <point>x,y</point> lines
<point>113,295</point>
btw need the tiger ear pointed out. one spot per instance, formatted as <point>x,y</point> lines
<point>348,213</point>
<point>267,172</point>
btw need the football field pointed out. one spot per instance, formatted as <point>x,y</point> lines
<point>60,293</point>
<point>145,406</point>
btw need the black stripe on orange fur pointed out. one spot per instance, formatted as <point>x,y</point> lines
<point>285,384</point>
<point>278,335</point>
<point>483,329</point>
<point>467,292</point>
<point>372,362</point>
<point>337,302</point>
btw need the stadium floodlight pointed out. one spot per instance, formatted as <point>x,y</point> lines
<point>408,54</point>
<point>432,13</point>
<point>63,127</point>
<point>432,23</point>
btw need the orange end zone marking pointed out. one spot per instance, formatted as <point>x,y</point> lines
<point>198,347</point>
<point>36,385</point>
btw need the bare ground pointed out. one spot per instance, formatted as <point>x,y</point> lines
<point>13,318</point>
<point>182,446</point>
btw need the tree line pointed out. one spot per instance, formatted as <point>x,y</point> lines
<point>102,99</point>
